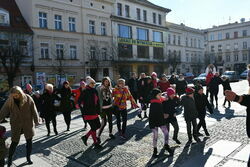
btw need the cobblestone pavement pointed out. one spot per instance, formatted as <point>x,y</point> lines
<point>228,145</point>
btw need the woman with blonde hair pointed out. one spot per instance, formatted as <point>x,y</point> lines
<point>23,115</point>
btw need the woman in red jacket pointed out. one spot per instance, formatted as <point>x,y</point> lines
<point>163,84</point>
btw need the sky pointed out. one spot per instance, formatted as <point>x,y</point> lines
<point>205,13</point>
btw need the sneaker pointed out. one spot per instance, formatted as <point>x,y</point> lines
<point>84,140</point>
<point>111,136</point>
<point>29,162</point>
<point>177,141</point>
<point>56,133</point>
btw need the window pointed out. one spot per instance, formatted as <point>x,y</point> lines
<point>227,35</point>
<point>154,18</point>
<point>191,41</point>
<point>236,34</point>
<point>169,38</point>
<point>212,48</point>
<point>138,12</point>
<point>125,50</point>
<point>228,46</point>
<point>187,57</point>
<point>58,22</point>
<point>73,54</point>
<point>143,51</point>
<point>142,34</point>
<point>119,9</point>
<point>219,36</point>
<point>228,58</point>
<point>145,15</point>
<point>159,19</point>
<point>104,54</point>
<point>219,48</point>
<point>179,40</point>
<point>124,31</point>
<point>59,51</point>
<point>157,36</point>
<point>158,53</point>
<point>23,48</point>
<point>44,50</point>
<point>211,37</point>
<point>195,44</point>
<point>236,46</point>
<point>199,43</point>
<point>92,53</point>
<point>42,20</point>
<point>103,29</point>
<point>91,27</point>
<point>127,11</point>
<point>236,57</point>
<point>244,45</point>
<point>186,41</point>
<point>244,33</point>
<point>174,39</point>
<point>4,17</point>
<point>244,58</point>
<point>72,24</point>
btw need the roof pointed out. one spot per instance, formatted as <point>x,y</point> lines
<point>149,4</point>
<point>17,21</point>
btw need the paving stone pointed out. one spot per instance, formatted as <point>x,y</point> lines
<point>232,163</point>
<point>38,162</point>
<point>243,154</point>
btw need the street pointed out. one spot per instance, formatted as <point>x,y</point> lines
<point>228,145</point>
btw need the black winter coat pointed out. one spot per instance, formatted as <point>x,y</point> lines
<point>90,101</point>
<point>214,85</point>
<point>156,116</point>
<point>190,111</point>
<point>226,85</point>
<point>201,103</point>
<point>48,108</point>
<point>181,86</point>
<point>142,86</point>
<point>133,85</point>
<point>39,105</point>
<point>246,102</point>
<point>66,103</point>
<point>169,107</point>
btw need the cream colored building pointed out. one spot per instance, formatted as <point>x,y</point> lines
<point>187,45</point>
<point>70,37</point>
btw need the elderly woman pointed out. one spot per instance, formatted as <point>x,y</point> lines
<point>49,112</point>
<point>23,115</point>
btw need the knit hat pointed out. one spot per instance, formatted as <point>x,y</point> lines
<point>82,83</point>
<point>170,91</point>
<point>155,92</point>
<point>89,81</point>
<point>153,74</point>
<point>189,91</point>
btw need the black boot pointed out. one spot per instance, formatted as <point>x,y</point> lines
<point>155,153</point>
<point>206,132</point>
<point>170,151</point>
<point>29,149</point>
<point>55,131</point>
<point>84,140</point>
<point>11,152</point>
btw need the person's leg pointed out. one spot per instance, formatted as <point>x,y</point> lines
<point>176,129</point>
<point>28,150</point>
<point>118,120</point>
<point>155,138</point>
<point>47,123</point>
<point>195,134</point>
<point>189,130</point>
<point>166,137</point>
<point>216,98</point>
<point>204,126</point>
<point>103,124</point>
<point>67,118</point>
<point>109,115</point>
<point>11,152</point>
<point>2,162</point>
<point>124,120</point>
<point>211,98</point>
<point>54,125</point>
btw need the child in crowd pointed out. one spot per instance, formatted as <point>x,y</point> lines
<point>3,147</point>
<point>156,120</point>
<point>170,111</point>
<point>201,103</point>
<point>190,114</point>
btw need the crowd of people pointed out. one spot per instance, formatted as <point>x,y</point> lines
<point>98,105</point>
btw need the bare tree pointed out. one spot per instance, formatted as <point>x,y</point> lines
<point>173,60</point>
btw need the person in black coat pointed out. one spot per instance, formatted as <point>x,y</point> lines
<point>245,101</point>
<point>169,109</point>
<point>172,80</point>
<point>48,109</point>
<point>156,120</point>
<point>133,86</point>
<point>202,103</point>
<point>226,86</point>
<point>181,85</point>
<point>38,101</point>
<point>214,89</point>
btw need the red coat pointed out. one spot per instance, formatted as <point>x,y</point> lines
<point>209,77</point>
<point>163,86</point>
<point>77,93</point>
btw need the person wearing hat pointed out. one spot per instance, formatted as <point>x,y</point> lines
<point>28,89</point>
<point>163,83</point>
<point>169,109</point>
<point>91,109</point>
<point>226,86</point>
<point>181,85</point>
<point>202,103</point>
<point>156,120</point>
<point>190,114</point>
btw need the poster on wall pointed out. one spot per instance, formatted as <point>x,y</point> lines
<point>40,79</point>
<point>60,79</point>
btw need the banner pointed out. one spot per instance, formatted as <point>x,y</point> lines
<point>40,78</point>
<point>140,42</point>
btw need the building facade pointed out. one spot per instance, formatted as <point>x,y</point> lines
<point>228,46</point>
<point>139,31</point>
<point>16,45</point>
<point>71,38</point>
<point>185,49</point>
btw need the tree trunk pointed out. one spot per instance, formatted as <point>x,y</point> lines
<point>11,78</point>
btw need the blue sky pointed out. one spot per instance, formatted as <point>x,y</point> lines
<point>205,13</point>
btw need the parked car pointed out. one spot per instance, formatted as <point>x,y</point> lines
<point>244,74</point>
<point>231,75</point>
<point>189,77</point>
<point>201,78</point>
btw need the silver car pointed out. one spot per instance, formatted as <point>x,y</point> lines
<point>231,75</point>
